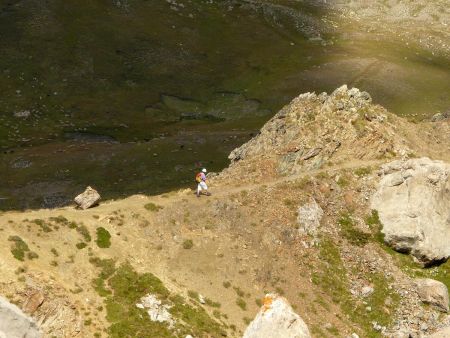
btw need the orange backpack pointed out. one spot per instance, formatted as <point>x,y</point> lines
<point>198,178</point>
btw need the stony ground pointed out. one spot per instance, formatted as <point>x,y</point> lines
<point>211,259</point>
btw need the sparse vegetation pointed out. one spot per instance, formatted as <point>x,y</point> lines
<point>241,303</point>
<point>123,287</point>
<point>103,238</point>
<point>332,278</point>
<point>226,284</point>
<point>351,232</point>
<point>19,247</point>
<point>84,232</point>
<point>363,171</point>
<point>152,207</point>
<point>44,226</point>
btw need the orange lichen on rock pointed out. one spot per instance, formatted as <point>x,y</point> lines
<point>267,302</point>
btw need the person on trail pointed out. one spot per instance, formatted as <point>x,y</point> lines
<point>201,180</point>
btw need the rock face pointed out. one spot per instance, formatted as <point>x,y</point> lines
<point>434,293</point>
<point>14,323</point>
<point>309,216</point>
<point>314,128</point>
<point>413,201</point>
<point>277,319</point>
<point>87,199</point>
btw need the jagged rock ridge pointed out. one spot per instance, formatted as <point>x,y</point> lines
<point>314,128</point>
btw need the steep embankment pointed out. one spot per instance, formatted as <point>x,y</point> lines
<point>290,215</point>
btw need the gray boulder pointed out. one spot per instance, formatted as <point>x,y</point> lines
<point>309,217</point>
<point>434,293</point>
<point>412,200</point>
<point>14,323</point>
<point>277,319</point>
<point>88,198</point>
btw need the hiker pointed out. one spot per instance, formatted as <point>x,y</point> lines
<point>201,180</point>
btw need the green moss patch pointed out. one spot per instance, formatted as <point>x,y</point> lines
<point>103,238</point>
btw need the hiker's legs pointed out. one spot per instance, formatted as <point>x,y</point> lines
<point>201,186</point>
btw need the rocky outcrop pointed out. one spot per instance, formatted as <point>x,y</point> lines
<point>413,201</point>
<point>277,319</point>
<point>157,311</point>
<point>87,199</point>
<point>14,323</point>
<point>434,293</point>
<point>314,128</point>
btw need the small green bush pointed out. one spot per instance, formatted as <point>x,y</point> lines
<point>103,238</point>
<point>188,244</point>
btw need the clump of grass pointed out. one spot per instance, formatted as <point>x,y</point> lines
<point>351,233</point>
<point>363,171</point>
<point>212,303</point>
<point>54,263</point>
<point>84,232</point>
<point>226,284</point>
<point>374,223</point>
<point>19,247</point>
<point>54,252</point>
<point>59,220</point>
<point>32,255</point>
<point>241,303</point>
<point>152,207</point>
<point>44,226</point>
<point>342,182</point>
<point>193,294</point>
<point>103,238</point>
<point>239,292</point>
<point>188,244</point>
<point>258,302</point>
<point>81,245</point>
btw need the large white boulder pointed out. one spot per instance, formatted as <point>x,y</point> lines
<point>413,202</point>
<point>87,199</point>
<point>14,323</point>
<point>277,319</point>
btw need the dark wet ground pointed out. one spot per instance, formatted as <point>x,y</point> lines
<point>134,96</point>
